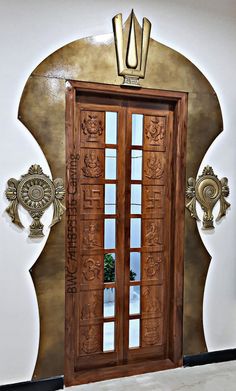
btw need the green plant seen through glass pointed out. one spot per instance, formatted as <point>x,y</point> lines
<point>109,269</point>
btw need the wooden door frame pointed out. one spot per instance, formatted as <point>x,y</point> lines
<point>179,100</point>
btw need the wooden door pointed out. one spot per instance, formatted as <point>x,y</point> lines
<point>125,208</point>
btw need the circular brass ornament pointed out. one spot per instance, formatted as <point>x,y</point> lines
<point>35,191</point>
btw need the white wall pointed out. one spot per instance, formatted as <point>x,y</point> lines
<point>30,30</point>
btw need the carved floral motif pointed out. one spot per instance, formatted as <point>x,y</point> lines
<point>92,127</point>
<point>92,168</point>
<point>154,169</point>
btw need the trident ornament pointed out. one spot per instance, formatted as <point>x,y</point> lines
<point>35,192</point>
<point>207,191</point>
<point>131,65</point>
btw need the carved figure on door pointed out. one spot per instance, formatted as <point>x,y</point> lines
<point>90,310</point>
<point>154,169</point>
<point>90,236</point>
<point>155,131</point>
<point>92,168</point>
<point>151,304</point>
<point>91,340</point>
<point>92,127</point>
<point>153,234</point>
<point>151,335</point>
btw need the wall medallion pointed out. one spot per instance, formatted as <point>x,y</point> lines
<point>207,190</point>
<point>35,191</point>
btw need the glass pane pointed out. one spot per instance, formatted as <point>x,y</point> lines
<point>135,233</point>
<point>134,300</point>
<point>135,266</point>
<point>109,302</point>
<point>110,199</point>
<point>136,164</point>
<point>110,233</point>
<point>136,202</point>
<point>134,334</point>
<point>111,127</point>
<point>108,336</point>
<point>137,129</point>
<point>109,267</point>
<point>110,163</point>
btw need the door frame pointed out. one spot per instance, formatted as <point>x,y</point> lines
<point>179,101</point>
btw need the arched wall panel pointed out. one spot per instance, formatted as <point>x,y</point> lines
<point>42,110</point>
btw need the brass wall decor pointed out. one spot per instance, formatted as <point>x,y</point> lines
<point>207,190</point>
<point>35,192</point>
<point>131,66</point>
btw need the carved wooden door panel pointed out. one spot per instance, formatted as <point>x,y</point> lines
<point>98,322</point>
<point>149,161</point>
<point>123,282</point>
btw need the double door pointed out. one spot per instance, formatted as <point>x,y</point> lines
<point>123,313</point>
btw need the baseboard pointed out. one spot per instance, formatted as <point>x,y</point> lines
<point>209,357</point>
<point>51,384</point>
<point>57,383</point>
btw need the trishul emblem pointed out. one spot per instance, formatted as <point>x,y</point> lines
<point>207,190</point>
<point>132,57</point>
<point>35,192</point>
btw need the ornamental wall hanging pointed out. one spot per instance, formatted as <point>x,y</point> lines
<point>207,190</point>
<point>35,191</point>
<point>131,54</point>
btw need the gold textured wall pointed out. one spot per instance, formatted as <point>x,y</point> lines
<point>42,110</point>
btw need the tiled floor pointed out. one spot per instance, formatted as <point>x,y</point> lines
<point>213,377</point>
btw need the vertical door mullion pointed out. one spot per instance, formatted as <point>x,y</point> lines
<point>127,229</point>
<point>120,264</point>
